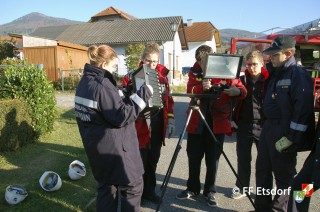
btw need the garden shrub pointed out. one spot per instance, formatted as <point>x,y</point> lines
<point>15,125</point>
<point>31,84</point>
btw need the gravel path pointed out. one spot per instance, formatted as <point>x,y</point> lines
<point>65,100</point>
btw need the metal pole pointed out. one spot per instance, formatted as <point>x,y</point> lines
<point>62,81</point>
<point>174,58</point>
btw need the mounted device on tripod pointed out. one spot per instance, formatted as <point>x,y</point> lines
<point>221,66</point>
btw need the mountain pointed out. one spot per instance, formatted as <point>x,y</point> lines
<point>303,28</point>
<point>28,23</point>
<point>227,34</point>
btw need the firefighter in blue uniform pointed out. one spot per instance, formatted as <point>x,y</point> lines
<point>106,123</point>
<point>289,125</point>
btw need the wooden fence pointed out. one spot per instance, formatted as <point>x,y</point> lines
<point>69,73</point>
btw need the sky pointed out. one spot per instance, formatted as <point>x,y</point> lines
<point>250,15</point>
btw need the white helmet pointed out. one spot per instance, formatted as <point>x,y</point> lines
<point>76,170</point>
<point>50,181</point>
<point>15,194</point>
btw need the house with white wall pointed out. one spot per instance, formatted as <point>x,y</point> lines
<point>197,34</point>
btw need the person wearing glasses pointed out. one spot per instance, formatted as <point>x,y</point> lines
<point>152,138</point>
<point>217,112</point>
<point>289,125</point>
<point>248,117</point>
<point>105,120</point>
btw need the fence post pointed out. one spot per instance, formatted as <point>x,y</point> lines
<point>62,79</point>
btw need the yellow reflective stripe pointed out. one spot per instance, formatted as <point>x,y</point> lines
<point>170,115</point>
<point>198,79</point>
<point>192,89</point>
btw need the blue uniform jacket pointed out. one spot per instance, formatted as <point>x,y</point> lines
<point>289,99</point>
<point>106,125</point>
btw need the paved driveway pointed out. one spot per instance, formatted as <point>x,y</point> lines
<point>225,179</point>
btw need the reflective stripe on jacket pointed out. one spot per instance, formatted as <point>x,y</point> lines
<point>290,93</point>
<point>106,125</point>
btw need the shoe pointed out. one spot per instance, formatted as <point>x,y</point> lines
<point>211,200</point>
<point>237,195</point>
<point>152,198</point>
<point>186,194</point>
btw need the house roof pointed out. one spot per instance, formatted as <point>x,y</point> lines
<point>116,32</point>
<point>17,38</point>
<point>202,31</point>
<point>50,32</point>
<point>72,45</point>
<point>111,11</point>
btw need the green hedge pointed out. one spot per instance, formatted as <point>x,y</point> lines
<point>15,125</point>
<point>31,85</point>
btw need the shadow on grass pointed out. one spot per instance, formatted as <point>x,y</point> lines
<point>25,166</point>
<point>67,114</point>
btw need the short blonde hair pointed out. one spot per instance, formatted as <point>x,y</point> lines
<point>100,54</point>
<point>255,54</point>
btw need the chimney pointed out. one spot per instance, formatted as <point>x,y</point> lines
<point>189,23</point>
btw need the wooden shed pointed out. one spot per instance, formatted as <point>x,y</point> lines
<point>54,55</point>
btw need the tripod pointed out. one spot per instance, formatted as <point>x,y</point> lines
<point>194,107</point>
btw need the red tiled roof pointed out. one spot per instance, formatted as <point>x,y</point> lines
<point>111,11</point>
<point>199,31</point>
<point>202,31</point>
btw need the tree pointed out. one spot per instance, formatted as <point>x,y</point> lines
<point>6,49</point>
<point>133,55</point>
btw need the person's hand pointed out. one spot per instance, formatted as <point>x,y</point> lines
<point>142,96</point>
<point>283,144</point>
<point>171,127</point>
<point>129,87</point>
<point>232,91</point>
<point>234,125</point>
<point>206,84</point>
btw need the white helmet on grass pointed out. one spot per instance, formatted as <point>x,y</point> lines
<point>50,181</point>
<point>15,194</point>
<point>76,170</point>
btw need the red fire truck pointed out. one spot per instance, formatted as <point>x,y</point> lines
<point>307,53</point>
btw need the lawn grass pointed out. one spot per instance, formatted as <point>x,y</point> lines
<point>179,89</point>
<point>54,152</point>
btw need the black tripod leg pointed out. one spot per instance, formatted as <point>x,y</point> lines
<point>173,160</point>
<point>178,147</point>
<point>225,156</point>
